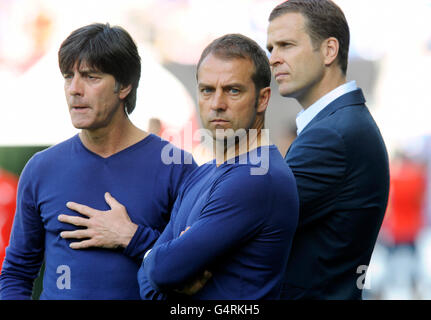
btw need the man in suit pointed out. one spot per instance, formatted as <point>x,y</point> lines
<point>339,158</point>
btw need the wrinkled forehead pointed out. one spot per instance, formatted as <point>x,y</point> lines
<point>229,69</point>
<point>226,65</point>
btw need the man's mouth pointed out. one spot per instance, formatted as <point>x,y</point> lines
<point>79,108</point>
<point>219,121</point>
<point>280,75</point>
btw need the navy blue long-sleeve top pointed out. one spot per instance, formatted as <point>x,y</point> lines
<point>136,176</point>
<point>241,230</point>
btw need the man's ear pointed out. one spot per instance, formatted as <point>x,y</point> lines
<point>330,48</point>
<point>124,91</point>
<point>264,95</point>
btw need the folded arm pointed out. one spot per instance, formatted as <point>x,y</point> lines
<point>232,215</point>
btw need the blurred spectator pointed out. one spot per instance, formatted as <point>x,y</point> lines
<point>404,219</point>
<point>420,149</point>
<point>8,188</point>
<point>40,29</point>
<point>402,225</point>
<point>26,31</point>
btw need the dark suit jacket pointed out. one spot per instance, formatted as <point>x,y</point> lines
<point>341,168</point>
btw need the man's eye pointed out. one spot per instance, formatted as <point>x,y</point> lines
<point>234,91</point>
<point>206,90</point>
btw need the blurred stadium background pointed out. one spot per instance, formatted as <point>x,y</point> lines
<point>390,58</point>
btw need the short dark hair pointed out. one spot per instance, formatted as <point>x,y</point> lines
<point>324,19</point>
<point>231,46</point>
<point>107,49</point>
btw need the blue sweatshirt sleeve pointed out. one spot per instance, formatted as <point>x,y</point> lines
<point>143,239</point>
<point>233,214</point>
<point>146,288</point>
<point>145,236</point>
<point>25,252</point>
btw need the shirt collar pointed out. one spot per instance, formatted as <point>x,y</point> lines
<point>305,116</point>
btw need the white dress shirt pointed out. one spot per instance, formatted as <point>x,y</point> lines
<point>305,116</point>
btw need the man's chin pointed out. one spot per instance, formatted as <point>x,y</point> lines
<point>81,126</point>
<point>81,123</point>
<point>229,139</point>
<point>285,93</point>
<point>284,90</point>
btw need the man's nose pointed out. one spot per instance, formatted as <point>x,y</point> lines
<point>274,58</point>
<point>75,86</point>
<point>218,101</point>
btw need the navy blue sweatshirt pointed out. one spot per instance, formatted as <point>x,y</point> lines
<point>136,176</point>
<point>242,223</point>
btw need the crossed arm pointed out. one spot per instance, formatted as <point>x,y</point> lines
<point>232,215</point>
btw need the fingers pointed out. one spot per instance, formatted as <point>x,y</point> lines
<point>76,234</point>
<point>196,285</point>
<point>76,221</point>
<point>201,282</point>
<point>82,209</point>
<point>111,201</point>
<point>207,275</point>
<point>82,244</point>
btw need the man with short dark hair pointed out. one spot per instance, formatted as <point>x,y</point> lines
<point>101,67</point>
<point>339,158</point>
<point>233,221</point>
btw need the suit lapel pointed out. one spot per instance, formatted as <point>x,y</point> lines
<point>355,97</point>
